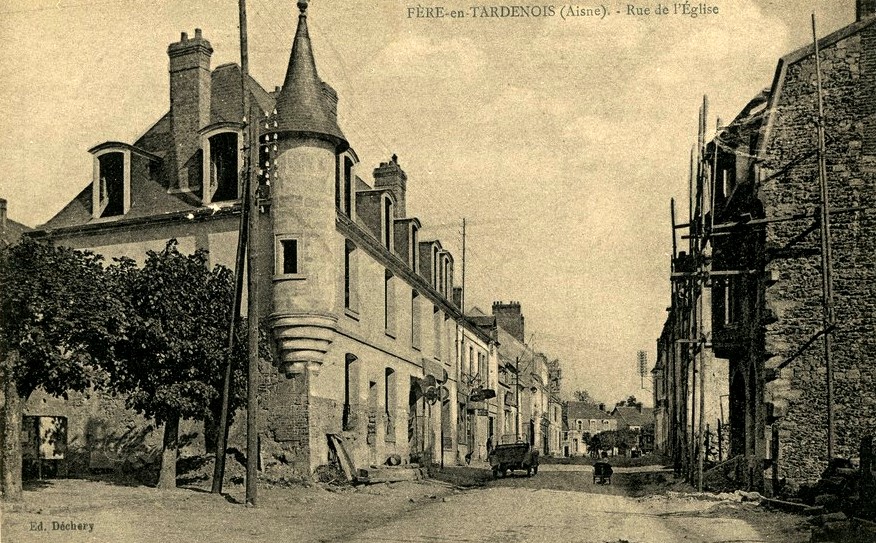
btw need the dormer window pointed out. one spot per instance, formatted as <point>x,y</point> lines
<point>111,178</point>
<point>223,178</point>
<point>448,276</point>
<point>441,276</point>
<point>111,184</point>
<point>222,163</point>
<point>387,223</point>
<point>435,282</point>
<point>414,243</point>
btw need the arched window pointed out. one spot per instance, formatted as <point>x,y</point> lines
<point>351,290</point>
<point>351,390</point>
<point>414,244</point>
<point>389,308</point>
<point>387,223</point>
<point>221,162</point>
<point>415,319</point>
<point>389,402</point>
<point>435,267</point>
<point>223,167</point>
<point>111,189</point>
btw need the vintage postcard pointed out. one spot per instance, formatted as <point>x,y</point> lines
<point>398,271</point>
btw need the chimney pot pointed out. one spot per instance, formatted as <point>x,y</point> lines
<point>184,36</point>
<point>198,34</point>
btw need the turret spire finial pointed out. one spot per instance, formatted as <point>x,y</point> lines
<point>302,6</point>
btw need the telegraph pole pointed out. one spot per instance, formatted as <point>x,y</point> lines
<point>462,294</point>
<point>826,275</point>
<point>517,400</point>
<point>239,263</point>
<point>251,150</point>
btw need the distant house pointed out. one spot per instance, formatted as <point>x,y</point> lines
<point>634,418</point>
<point>585,420</point>
<point>640,420</point>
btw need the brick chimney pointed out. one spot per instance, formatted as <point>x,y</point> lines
<point>864,9</point>
<point>509,317</point>
<point>2,214</point>
<point>190,82</point>
<point>389,175</point>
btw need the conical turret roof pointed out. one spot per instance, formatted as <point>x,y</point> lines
<point>302,106</point>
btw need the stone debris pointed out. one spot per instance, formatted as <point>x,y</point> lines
<point>736,496</point>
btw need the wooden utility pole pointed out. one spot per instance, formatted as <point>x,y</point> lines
<point>239,263</point>
<point>674,243</point>
<point>826,256</point>
<point>251,149</point>
<point>462,293</point>
<point>517,400</point>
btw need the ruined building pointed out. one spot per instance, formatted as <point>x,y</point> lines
<point>767,283</point>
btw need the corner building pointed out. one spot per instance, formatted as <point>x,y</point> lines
<point>357,309</point>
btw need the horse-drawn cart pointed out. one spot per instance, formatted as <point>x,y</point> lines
<point>511,456</point>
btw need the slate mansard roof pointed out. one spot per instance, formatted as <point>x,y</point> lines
<point>150,194</point>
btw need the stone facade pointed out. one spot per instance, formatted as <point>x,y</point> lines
<point>768,321</point>
<point>367,342</point>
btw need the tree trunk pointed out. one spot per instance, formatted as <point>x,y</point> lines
<point>211,433</point>
<point>167,473</point>
<point>10,433</point>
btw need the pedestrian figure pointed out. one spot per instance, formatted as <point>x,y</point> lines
<point>489,444</point>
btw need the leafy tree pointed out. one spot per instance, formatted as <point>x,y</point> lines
<point>631,401</point>
<point>584,396</point>
<point>170,364</point>
<point>622,439</point>
<point>58,318</point>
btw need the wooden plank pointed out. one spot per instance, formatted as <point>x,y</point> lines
<point>349,469</point>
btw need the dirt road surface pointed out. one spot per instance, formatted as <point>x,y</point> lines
<point>560,504</point>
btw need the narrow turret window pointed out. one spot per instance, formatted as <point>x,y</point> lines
<point>288,257</point>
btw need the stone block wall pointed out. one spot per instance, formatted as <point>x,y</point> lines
<point>790,185</point>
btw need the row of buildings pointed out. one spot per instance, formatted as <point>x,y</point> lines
<point>767,291</point>
<point>373,351</point>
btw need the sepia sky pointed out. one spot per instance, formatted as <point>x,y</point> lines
<point>560,141</point>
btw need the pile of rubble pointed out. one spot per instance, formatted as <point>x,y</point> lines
<point>842,505</point>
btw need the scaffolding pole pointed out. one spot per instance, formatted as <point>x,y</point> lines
<point>826,256</point>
